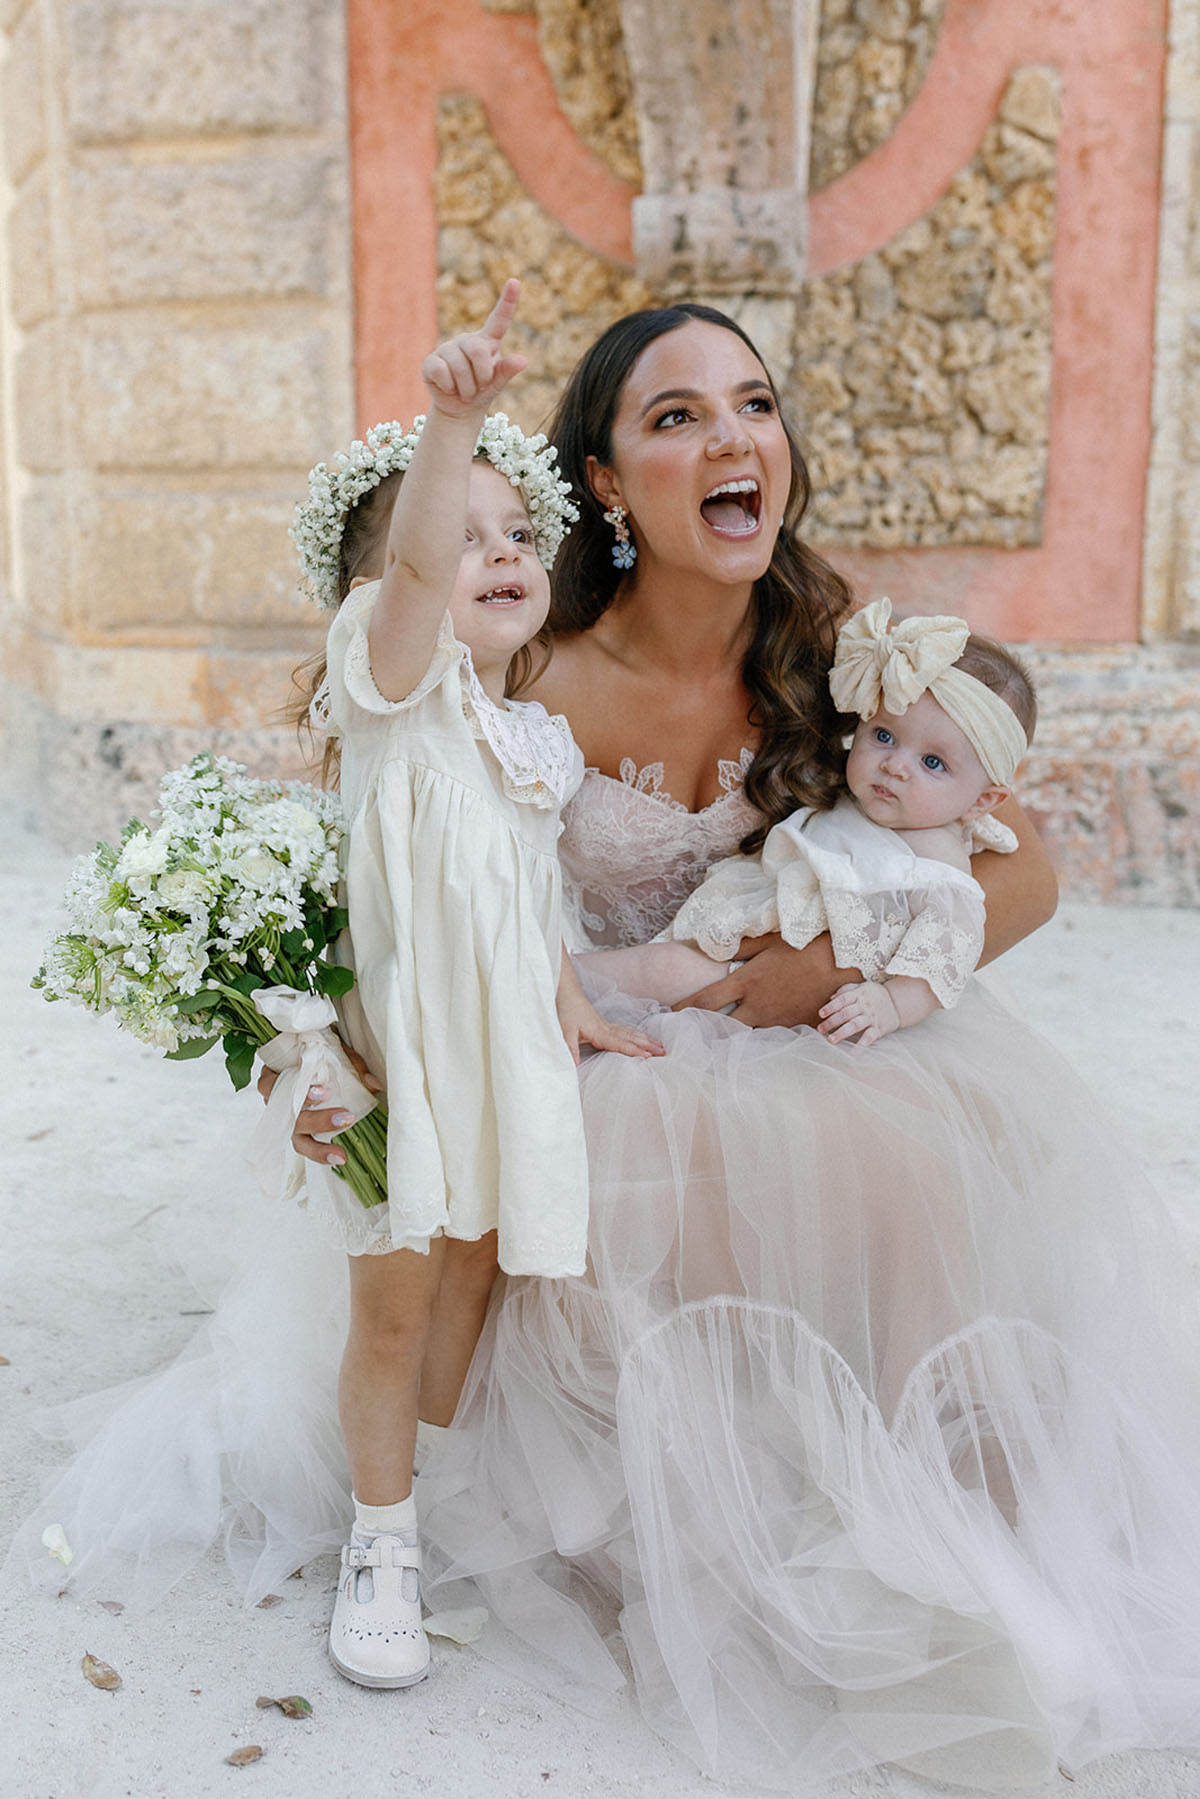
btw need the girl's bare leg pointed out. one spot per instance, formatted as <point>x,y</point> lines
<point>392,1303</point>
<point>468,1275</point>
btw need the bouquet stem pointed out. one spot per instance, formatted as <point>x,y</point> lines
<point>365,1167</point>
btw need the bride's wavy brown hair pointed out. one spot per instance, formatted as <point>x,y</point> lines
<point>798,603</point>
<point>364,540</point>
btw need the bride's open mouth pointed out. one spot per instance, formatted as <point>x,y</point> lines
<point>734,508</point>
<point>501,596</point>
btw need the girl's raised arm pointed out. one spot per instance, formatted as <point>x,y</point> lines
<point>425,541</point>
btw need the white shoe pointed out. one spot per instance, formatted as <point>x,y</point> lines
<point>376,1636</point>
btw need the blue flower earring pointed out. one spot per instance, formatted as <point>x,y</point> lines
<point>624,551</point>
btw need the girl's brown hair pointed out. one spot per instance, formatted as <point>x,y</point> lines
<point>797,604</point>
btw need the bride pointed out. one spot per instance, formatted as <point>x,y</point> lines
<point>873,1422</point>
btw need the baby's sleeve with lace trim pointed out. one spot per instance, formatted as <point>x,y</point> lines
<point>353,695</point>
<point>944,941</point>
<point>734,900</point>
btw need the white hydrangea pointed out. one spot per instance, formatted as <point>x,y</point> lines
<point>528,462</point>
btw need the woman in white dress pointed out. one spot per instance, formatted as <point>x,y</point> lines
<point>874,1420</point>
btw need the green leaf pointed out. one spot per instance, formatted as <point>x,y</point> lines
<point>333,979</point>
<point>203,1001</point>
<point>187,1052</point>
<point>246,981</point>
<point>337,921</point>
<point>292,943</point>
<point>239,1058</point>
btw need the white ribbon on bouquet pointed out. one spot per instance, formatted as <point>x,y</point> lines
<point>306,1053</point>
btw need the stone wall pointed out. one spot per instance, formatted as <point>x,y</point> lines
<point>871,59</point>
<point>920,376</point>
<point>922,373</point>
<point>180,352</point>
<point>176,348</point>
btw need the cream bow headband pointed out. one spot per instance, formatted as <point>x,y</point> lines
<point>875,667</point>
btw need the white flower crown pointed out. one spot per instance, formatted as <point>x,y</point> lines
<point>528,462</point>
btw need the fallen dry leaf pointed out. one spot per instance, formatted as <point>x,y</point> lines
<point>241,1758</point>
<point>114,1606</point>
<point>296,1574</point>
<point>292,1705</point>
<point>4,1362</point>
<point>270,1599</point>
<point>100,1674</point>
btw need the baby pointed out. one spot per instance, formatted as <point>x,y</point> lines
<point>944,719</point>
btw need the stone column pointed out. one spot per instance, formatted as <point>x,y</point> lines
<point>1171,569</point>
<point>723,90</point>
<point>179,351</point>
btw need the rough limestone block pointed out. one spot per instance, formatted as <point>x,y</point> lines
<point>90,777</point>
<point>194,231</point>
<point>42,525</point>
<point>37,390</point>
<point>252,569</point>
<point>31,254</point>
<point>1033,101</point>
<point>160,559</point>
<point>1186,572</point>
<point>10,12</point>
<point>1113,779</point>
<point>22,104</point>
<point>157,393</point>
<point>175,68</point>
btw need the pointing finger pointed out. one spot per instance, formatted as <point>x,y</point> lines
<point>503,312</point>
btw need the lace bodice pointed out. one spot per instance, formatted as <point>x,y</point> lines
<point>631,854</point>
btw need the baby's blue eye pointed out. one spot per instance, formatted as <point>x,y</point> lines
<point>933,762</point>
<point>882,736</point>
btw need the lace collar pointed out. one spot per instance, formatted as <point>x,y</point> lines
<point>537,754</point>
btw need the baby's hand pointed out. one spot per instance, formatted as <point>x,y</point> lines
<point>864,1007</point>
<point>465,375</point>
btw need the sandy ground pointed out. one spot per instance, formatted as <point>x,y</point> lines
<point>105,1143</point>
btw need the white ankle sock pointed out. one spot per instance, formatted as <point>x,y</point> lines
<point>396,1520</point>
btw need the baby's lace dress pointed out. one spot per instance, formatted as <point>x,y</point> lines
<point>888,911</point>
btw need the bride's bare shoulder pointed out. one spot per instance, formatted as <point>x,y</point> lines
<point>565,680</point>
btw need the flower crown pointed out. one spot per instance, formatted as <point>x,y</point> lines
<point>528,462</point>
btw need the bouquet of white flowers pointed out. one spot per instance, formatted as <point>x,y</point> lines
<point>229,901</point>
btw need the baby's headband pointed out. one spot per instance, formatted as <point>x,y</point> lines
<point>528,462</point>
<point>875,667</point>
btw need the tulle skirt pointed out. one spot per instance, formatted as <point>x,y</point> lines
<point>874,1423</point>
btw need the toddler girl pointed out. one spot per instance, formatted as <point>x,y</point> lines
<point>464,1000</point>
<point>944,719</point>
